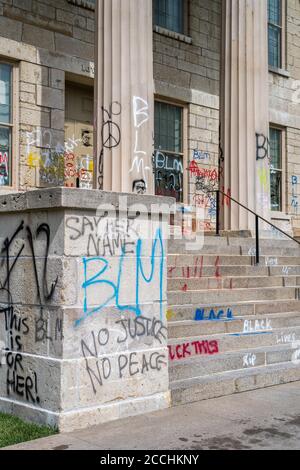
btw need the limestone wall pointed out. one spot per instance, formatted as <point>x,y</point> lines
<point>46,40</point>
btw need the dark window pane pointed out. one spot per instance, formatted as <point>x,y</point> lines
<point>276,185</point>
<point>275,148</point>
<point>169,14</point>
<point>5,93</point>
<point>274,46</point>
<point>274,11</point>
<point>168,127</point>
<point>168,162</point>
<point>5,156</point>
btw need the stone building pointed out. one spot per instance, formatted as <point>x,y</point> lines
<point>174,98</point>
<point>205,86</point>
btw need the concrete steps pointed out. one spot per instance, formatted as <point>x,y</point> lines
<point>187,312</point>
<point>237,325</point>
<point>231,282</point>
<point>233,326</point>
<point>228,383</point>
<point>213,296</point>
<point>199,366</point>
<point>234,342</point>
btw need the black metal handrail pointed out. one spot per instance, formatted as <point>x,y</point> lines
<point>257,218</point>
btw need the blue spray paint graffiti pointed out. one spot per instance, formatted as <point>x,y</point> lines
<point>140,277</point>
<point>294,202</point>
<point>220,315</point>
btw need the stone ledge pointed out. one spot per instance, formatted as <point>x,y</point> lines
<point>73,198</point>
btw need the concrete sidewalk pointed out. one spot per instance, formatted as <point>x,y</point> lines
<point>261,419</point>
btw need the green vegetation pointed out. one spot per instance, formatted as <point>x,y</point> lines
<point>14,431</point>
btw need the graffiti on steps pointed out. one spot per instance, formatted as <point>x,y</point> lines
<point>194,348</point>
<point>214,315</point>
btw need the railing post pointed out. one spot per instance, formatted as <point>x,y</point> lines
<point>257,239</point>
<point>218,213</point>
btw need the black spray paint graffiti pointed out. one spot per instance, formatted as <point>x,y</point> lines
<point>100,368</point>
<point>110,134</point>
<point>18,381</point>
<point>104,236</point>
<point>262,146</point>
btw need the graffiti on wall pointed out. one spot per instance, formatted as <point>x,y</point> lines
<point>58,164</point>
<point>168,175</point>
<point>22,381</point>
<point>110,134</point>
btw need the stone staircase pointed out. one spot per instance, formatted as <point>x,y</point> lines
<point>233,326</point>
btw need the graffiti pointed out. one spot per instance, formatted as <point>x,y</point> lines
<point>294,202</point>
<point>139,186</point>
<point>283,338</point>
<point>19,382</point>
<point>249,360</point>
<point>213,315</point>
<point>254,326</point>
<point>271,262</point>
<point>142,327</point>
<point>170,314</point>
<point>110,134</point>
<point>138,278</point>
<point>104,236</point>
<point>4,172</point>
<point>184,350</point>
<point>199,155</point>
<point>262,146</point>
<point>140,117</point>
<point>168,175</point>
<point>195,271</point>
<point>296,353</point>
<point>207,173</point>
<point>101,368</point>
<point>57,163</point>
<point>264,174</point>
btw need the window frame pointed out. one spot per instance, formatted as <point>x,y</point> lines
<point>185,22</point>
<point>89,5</point>
<point>184,140</point>
<point>283,39</point>
<point>13,125</point>
<point>283,143</point>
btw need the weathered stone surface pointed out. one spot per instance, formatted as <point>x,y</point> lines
<point>75,338</point>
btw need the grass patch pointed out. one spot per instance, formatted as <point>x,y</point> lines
<point>15,431</point>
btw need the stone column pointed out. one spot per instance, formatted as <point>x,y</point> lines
<point>124,96</point>
<point>245,111</point>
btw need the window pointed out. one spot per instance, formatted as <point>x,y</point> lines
<point>168,155</point>
<point>276,33</point>
<point>276,141</point>
<point>5,125</point>
<point>169,14</point>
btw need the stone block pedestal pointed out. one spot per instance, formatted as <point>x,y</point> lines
<point>83,336</point>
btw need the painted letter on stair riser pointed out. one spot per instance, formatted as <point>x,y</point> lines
<point>184,350</point>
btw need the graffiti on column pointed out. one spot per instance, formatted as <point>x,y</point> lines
<point>110,135</point>
<point>139,168</point>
